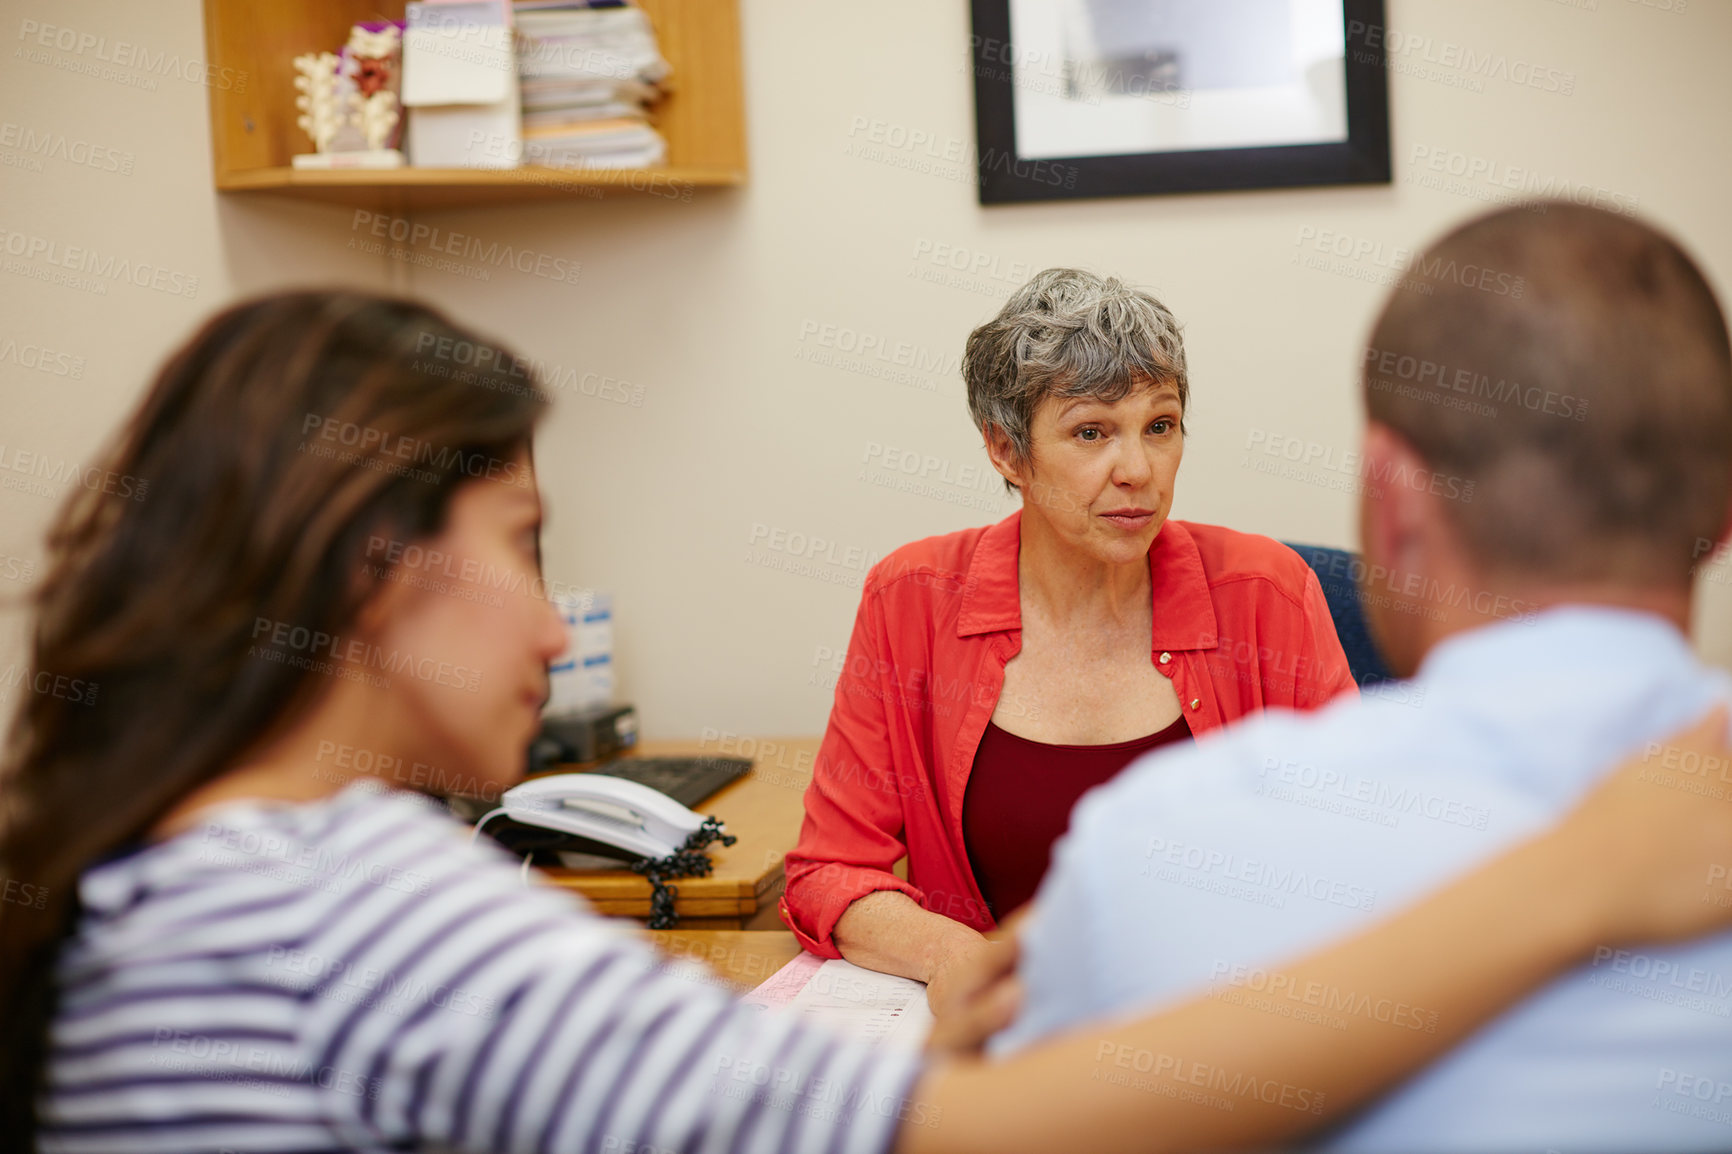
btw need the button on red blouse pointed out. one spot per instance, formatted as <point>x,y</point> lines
<point>1010,840</point>
<point>1241,619</point>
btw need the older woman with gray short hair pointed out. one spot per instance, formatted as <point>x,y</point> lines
<point>996,674</point>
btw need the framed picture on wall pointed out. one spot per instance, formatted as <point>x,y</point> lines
<point>1092,98</point>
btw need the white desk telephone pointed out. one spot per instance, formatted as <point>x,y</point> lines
<point>606,809</point>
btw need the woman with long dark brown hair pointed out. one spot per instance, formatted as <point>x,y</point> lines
<point>219,934</point>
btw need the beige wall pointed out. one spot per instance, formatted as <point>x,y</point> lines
<point>698,427</point>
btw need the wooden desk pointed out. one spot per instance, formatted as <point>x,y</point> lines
<point>763,809</point>
<point>744,957</point>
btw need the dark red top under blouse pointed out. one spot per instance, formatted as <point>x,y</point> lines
<point>1019,798</point>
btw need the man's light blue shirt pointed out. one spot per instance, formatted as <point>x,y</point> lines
<point>1208,867</point>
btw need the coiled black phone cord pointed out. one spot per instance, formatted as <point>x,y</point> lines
<point>689,861</point>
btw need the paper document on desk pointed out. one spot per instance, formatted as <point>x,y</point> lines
<point>781,987</point>
<point>878,1008</point>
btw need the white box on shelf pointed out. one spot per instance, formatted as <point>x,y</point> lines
<point>460,85</point>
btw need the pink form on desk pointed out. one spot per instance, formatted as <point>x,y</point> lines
<point>878,1008</point>
<point>781,987</point>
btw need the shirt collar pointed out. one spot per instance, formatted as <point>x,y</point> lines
<point>1564,642</point>
<point>1184,613</point>
<point>990,601</point>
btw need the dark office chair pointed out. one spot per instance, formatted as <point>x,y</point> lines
<point>1336,570</point>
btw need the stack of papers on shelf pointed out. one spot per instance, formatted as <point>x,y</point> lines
<point>588,75</point>
<point>877,1008</point>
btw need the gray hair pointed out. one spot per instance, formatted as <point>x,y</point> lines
<point>1068,333</point>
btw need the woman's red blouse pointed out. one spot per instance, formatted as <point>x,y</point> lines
<point>1240,624</point>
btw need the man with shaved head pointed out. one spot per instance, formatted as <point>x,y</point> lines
<point>1548,454</point>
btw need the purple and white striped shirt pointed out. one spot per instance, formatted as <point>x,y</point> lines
<point>353,974</point>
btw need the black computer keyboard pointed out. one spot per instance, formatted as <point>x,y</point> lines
<point>688,780</point>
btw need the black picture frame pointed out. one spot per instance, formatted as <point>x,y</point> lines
<point>1006,178</point>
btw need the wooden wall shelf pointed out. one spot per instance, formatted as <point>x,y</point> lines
<point>253,130</point>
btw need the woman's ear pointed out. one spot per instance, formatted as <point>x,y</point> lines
<point>381,597</point>
<point>1003,456</point>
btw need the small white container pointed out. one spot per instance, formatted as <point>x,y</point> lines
<point>582,677</point>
